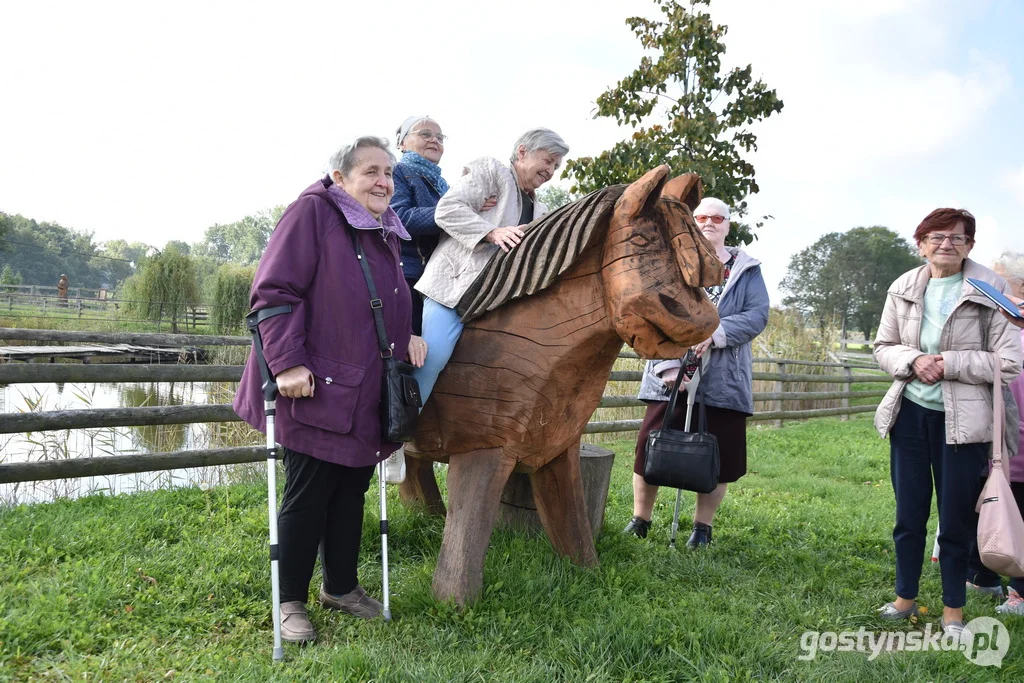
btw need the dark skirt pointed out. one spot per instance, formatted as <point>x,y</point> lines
<point>728,426</point>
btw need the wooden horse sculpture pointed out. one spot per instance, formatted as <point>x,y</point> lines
<point>548,320</point>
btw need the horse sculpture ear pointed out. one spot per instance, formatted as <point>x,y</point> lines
<point>640,196</point>
<point>687,188</point>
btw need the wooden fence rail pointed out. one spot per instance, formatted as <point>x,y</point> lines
<point>20,373</point>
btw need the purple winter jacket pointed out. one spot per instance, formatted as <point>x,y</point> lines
<point>310,263</point>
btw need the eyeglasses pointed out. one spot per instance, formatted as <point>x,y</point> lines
<point>428,136</point>
<point>937,238</point>
<point>717,220</point>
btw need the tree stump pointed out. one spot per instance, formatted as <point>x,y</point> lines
<point>519,510</point>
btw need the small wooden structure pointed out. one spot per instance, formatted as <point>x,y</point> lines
<point>625,264</point>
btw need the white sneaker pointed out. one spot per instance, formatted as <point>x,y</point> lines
<point>394,468</point>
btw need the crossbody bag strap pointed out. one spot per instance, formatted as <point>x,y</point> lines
<point>375,303</point>
<point>998,417</point>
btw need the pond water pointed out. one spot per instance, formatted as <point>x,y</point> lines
<point>99,442</point>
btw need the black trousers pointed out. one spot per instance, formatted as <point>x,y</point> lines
<point>322,508</point>
<point>920,455</point>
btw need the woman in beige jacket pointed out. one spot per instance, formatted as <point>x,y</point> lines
<point>937,338</point>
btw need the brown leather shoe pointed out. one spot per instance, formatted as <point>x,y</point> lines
<point>356,602</point>
<point>295,624</point>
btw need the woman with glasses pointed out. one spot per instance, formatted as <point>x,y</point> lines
<point>936,339</point>
<point>725,387</point>
<point>418,187</point>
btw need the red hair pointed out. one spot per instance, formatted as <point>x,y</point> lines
<point>946,219</point>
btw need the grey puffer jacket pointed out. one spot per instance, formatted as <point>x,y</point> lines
<point>727,370</point>
<point>971,335</point>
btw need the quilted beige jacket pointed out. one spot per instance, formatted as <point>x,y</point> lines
<point>462,252</point>
<point>973,331</point>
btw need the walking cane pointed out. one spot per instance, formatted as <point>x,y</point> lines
<point>384,538</point>
<point>269,389</point>
<point>691,392</point>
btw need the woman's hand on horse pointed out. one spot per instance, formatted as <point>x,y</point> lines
<point>506,237</point>
<point>296,382</point>
<point>417,351</point>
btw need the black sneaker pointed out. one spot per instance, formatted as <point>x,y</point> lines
<point>701,536</point>
<point>638,526</point>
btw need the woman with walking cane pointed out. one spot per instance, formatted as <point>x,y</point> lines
<point>328,366</point>
<point>726,386</point>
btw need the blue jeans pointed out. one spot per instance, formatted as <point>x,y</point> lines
<point>918,451</point>
<point>441,330</point>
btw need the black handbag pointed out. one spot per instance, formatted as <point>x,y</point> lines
<point>682,459</point>
<point>400,399</point>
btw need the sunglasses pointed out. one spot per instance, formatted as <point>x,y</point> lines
<point>717,220</point>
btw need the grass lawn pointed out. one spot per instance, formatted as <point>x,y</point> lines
<point>173,585</point>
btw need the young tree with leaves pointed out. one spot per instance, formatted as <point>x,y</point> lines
<point>703,114</point>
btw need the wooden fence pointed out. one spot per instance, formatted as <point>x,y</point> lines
<point>39,302</point>
<point>785,373</point>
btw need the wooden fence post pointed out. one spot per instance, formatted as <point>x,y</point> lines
<point>79,304</point>
<point>780,387</point>
<point>44,305</point>
<point>847,388</point>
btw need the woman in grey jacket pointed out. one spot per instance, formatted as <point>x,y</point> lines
<point>726,385</point>
<point>473,228</point>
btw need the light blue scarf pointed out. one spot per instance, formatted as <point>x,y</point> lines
<point>430,171</point>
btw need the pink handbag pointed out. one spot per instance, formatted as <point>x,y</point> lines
<point>1000,526</point>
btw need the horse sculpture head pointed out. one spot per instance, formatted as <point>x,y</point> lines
<point>655,259</point>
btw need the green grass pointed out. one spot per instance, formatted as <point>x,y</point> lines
<point>802,543</point>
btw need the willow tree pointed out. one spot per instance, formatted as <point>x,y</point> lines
<point>165,285</point>
<point>686,111</point>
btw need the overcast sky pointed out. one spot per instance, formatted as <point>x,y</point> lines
<point>152,121</point>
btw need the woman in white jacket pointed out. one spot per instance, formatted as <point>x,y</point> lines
<point>471,235</point>
<point>936,339</point>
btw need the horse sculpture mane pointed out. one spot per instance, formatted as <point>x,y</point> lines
<point>550,246</point>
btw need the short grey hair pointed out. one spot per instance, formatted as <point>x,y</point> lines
<point>344,159</point>
<point>540,138</point>
<point>712,204</point>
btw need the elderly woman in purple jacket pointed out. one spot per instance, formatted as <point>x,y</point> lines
<point>326,360</point>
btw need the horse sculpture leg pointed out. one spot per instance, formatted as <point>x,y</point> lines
<point>475,482</point>
<point>420,486</point>
<point>558,493</point>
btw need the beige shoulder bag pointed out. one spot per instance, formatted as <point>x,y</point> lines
<point>1000,526</point>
